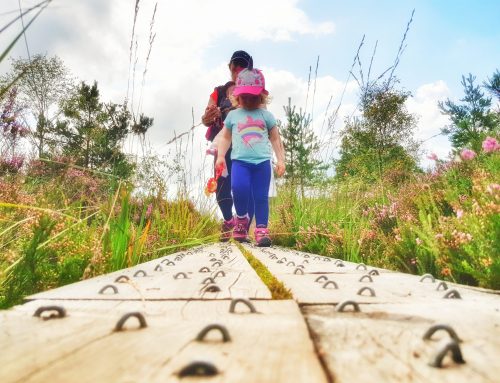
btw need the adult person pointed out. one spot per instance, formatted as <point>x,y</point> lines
<point>252,130</point>
<point>219,105</point>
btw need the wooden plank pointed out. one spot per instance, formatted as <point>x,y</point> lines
<point>384,342</point>
<point>281,260</point>
<point>270,346</point>
<point>29,343</point>
<point>388,286</point>
<point>165,279</point>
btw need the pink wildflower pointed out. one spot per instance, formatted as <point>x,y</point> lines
<point>149,210</point>
<point>467,154</point>
<point>418,241</point>
<point>433,156</point>
<point>460,213</point>
<point>490,144</point>
<point>492,188</point>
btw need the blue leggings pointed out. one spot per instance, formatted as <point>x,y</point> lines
<point>223,193</point>
<point>248,179</point>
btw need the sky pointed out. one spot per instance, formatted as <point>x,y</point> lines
<point>194,39</point>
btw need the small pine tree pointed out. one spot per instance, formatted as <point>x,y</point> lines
<point>303,168</point>
<point>472,119</point>
<point>92,132</point>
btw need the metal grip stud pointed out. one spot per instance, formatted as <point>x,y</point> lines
<point>124,318</point>
<point>61,312</point>
<point>107,287</point>
<point>430,332</point>
<point>198,368</point>
<point>456,354</point>
<point>223,330</point>
<point>246,302</point>
<point>340,307</point>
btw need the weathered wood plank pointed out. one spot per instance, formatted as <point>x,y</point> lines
<point>28,343</point>
<point>388,286</point>
<point>180,276</point>
<point>384,342</point>
<point>270,346</point>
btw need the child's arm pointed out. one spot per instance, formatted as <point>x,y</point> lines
<point>279,150</point>
<point>223,144</point>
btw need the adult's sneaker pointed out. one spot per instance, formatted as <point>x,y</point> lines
<point>226,230</point>
<point>240,231</point>
<point>262,237</point>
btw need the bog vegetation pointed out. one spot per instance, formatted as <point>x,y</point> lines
<point>74,205</point>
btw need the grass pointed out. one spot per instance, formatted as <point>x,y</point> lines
<point>446,222</point>
<point>102,229</point>
<point>276,287</point>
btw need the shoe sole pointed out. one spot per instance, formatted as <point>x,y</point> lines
<point>264,242</point>
<point>242,240</point>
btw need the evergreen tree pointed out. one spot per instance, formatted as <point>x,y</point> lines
<point>493,84</point>
<point>93,131</point>
<point>303,168</point>
<point>472,119</point>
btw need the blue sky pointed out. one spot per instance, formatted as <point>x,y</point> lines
<point>446,40</point>
<point>195,38</point>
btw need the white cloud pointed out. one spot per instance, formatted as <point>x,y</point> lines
<point>95,46</point>
<point>93,39</point>
<point>425,105</point>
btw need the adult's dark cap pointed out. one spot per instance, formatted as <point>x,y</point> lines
<point>242,59</point>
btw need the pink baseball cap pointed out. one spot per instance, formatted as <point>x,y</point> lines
<point>250,81</point>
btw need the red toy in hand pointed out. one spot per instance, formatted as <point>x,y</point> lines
<point>212,182</point>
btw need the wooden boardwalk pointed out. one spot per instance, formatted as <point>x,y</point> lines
<point>188,320</point>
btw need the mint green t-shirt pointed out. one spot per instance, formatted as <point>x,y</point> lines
<point>250,134</point>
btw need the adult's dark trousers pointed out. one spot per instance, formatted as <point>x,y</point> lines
<point>224,196</point>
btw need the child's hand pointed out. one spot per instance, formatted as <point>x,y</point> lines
<point>220,164</point>
<point>280,168</point>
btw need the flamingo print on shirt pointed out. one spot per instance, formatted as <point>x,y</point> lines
<point>251,131</point>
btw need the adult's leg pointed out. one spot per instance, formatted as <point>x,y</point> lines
<point>261,176</point>
<point>240,182</point>
<point>223,192</point>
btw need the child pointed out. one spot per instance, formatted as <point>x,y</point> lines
<point>252,130</point>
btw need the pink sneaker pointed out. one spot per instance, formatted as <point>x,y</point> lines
<point>240,231</point>
<point>226,230</point>
<point>262,237</point>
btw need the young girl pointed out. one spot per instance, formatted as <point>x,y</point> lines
<point>252,130</point>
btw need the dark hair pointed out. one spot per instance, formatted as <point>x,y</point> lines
<point>242,59</point>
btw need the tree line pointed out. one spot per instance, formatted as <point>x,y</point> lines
<point>380,141</point>
<point>63,118</point>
